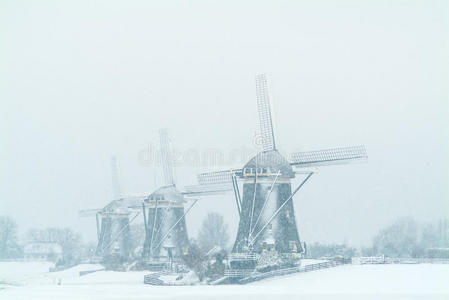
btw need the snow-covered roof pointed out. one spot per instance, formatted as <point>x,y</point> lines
<point>169,193</point>
<point>123,205</point>
<point>273,161</point>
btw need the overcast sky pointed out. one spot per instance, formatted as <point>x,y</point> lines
<point>83,80</point>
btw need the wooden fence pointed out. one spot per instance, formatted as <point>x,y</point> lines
<point>393,260</point>
<point>300,269</point>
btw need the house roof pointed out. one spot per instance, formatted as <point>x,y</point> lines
<point>42,248</point>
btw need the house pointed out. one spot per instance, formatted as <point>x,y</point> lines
<point>43,251</point>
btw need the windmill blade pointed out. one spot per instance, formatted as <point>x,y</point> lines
<point>264,108</point>
<point>327,157</point>
<point>126,203</point>
<point>116,190</point>
<point>212,183</point>
<point>216,177</point>
<point>207,189</point>
<point>142,195</point>
<point>88,212</point>
<point>166,158</point>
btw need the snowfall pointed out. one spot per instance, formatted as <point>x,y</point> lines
<point>31,280</point>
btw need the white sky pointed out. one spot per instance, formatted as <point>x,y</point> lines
<point>83,80</point>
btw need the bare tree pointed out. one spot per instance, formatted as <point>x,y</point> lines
<point>9,248</point>
<point>317,250</point>
<point>196,260</point>
<point>213,232</point>
<point>137,239</point>
<point>400,239</point>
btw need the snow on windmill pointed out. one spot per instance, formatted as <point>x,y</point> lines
<point>166,238</point>
<point>113,220</point>
<point>265,206</point>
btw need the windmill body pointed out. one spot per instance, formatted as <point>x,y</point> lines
<point>113,237</point>
<point>113,221</point>
<point>165,209</point>
<point>114,225</point>
<point>114,234</point>
<point>166,238</point>
<point>265,206</point>
<point>266,185</point>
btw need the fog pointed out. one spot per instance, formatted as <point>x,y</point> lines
<point>81,81</point>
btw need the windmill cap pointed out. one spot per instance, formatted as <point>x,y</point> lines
<point>169,193</point>
<point>273,161</point>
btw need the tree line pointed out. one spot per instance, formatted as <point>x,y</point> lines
<point>404,238</point>
<point>71,243</point>
<point>214,232</point>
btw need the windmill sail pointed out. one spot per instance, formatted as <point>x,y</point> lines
<point>166,236</point>
<point>208,189</point>
<point>327,157</point>
<point>264,108</point>
<point>166,158</point>
<point>265,205</point>
<point>116,190</point>
<point>216,177</point>
<point>213,182</point>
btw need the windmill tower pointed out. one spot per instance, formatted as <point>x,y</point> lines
<point>265,206</point>
<point>114,219</point>
<point>166,238</point>
<point>113,236</point>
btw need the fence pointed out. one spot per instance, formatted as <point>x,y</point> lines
<point>238,272</point>
<point>153,278</point>
<point>391,260</point>
<point>308,268</point>
<point>243,276</point>
<point>368,260</point>
<point>242,256</point>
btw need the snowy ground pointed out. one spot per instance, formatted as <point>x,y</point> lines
<point>423,281</point>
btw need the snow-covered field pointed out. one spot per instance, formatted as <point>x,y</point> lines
<point>421,281</point>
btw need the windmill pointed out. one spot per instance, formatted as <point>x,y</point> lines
<point>265,206</point>
<point>166,238</point>
<point>114,219</point>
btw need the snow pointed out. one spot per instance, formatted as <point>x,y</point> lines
<point>17,273</point>
<point>371,279</point>
<point>187,279</point>
<point>420,281</point>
